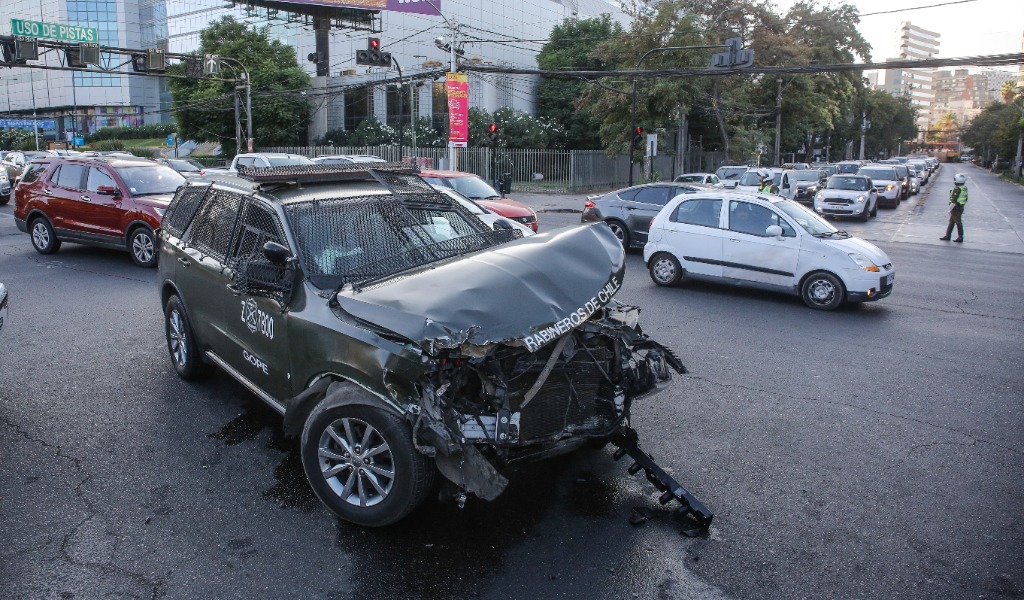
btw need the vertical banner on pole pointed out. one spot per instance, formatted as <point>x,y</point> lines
<point>458,109</point>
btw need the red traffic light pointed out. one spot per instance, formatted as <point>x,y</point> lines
<point>639,130</point>
<point>374,44</point>
<point>492,128</point>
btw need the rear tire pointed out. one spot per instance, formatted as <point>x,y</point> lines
<point>361,463</point>
<point>823,291</point>
<point>181,341</point>
<point>44,239</point>
<point>665,270</point>
<point>620,231</point>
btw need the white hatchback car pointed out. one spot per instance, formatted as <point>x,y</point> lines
<point>767,242</point>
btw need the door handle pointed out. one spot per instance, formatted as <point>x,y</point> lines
<point>184,261</point>
<point>84,197</point>
<point>733,240</point>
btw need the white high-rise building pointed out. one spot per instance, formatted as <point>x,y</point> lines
<point>915,43</point>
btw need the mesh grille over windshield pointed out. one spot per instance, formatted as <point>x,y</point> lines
<point>361,239</point>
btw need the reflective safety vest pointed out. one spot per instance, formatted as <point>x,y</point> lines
<point>766,187</point>
<point>958,195</point>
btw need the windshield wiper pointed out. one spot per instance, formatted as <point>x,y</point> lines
<point>838,233</point>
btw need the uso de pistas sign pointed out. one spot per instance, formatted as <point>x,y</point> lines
<point>55,31</point>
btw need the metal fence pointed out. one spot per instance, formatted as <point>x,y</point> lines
<point>564,171</point>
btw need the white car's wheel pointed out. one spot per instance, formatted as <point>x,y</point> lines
<point>665,269</point>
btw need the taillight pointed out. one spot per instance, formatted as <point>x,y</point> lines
<point>589,203</point>
<point>202,172</point>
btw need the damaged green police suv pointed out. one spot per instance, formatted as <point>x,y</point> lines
<point>400,337</point>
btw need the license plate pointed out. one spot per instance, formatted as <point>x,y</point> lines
<point>889,278</point>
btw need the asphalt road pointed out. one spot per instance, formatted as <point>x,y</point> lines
<point>873,452</point>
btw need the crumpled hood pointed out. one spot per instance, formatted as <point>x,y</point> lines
<point>531,291</point>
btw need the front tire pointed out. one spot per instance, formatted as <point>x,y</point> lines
<point>44,239</point>
<point>874,209</point>
<point>361,463</point>
<point>864,216</point>
<point>181,342</point>
<point>823,291</point>
<point>664,269</point>
<point>4,199</point>
<point>620,231</point>
<point>142,247</point>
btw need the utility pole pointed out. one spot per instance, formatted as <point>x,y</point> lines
<point>778,121</point>
<point>863,131</point>
<point>35,117</point>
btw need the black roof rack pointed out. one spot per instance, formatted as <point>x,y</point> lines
<point>322,173</point>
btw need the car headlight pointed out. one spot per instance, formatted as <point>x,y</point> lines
<point>890,187</point>
<point>160,211</point>
<point>863,262</point>
<point>861,199</point>
<point>818,196</point>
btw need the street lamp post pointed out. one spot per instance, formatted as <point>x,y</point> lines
<point>35,117</point>
<point>778,121</point>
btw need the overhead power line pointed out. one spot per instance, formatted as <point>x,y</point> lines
<point>991,60</point>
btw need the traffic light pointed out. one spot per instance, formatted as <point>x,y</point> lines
<point>492,132</point>
<point>373,56</point>
<point>638,137</point>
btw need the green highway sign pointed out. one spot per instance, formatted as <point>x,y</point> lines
<point>56,31</point>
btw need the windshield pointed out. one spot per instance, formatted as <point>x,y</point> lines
<point>901,170</point>
<point>287,161</point>
<point>689,179</point>
<point>847,182</point>
<point>879,174</point>
<point>357,240</point>
<point>184,165</point>
<point>804,217</point>
<point>473,187</point>
<point>730,172</point>
<point>805,175</point>
<point>848,167</point>
<point>750,178</point>
<point>148,180</point>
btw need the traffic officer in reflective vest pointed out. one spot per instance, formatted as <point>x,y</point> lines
<point>957,202</point>
<point>767,186</point>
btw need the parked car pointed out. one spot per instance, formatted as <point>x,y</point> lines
<point>3,307</point>
<point>107,202</point>
<point>708,179</point>
<point>347,159</point>
<point>847,196</point>
<point>481,192</point>
<point>729,175</point>
<point>751,180</point>
<point>848,166</point>
<point>6,188</point>
<point>915,180</point>
<point>923,172</point>
<point>628,212</point>
<point>185,167</point>
<point>767,242</point>
<point>491,218</point>
<point>802,184</point>
<point>378,326</point>
<point>886,182</point>
<point>267,159</point>
<point>904,175</point>
<point>15,162</point>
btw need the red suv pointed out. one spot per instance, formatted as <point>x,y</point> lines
<point>110,202</point>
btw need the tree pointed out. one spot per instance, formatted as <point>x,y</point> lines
<point>944,131</point>
<point>571,46</point>
<point>1009,91</point>
<point>205,107</point>
<point>516,129</point>
<point>893,119</point>
<point>995,131</point>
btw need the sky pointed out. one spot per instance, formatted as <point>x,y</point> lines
<point>967,28</point>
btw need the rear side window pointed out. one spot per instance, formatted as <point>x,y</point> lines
<point>33,172</point>
<point>629,194</point>
<point>214,224</point>
<point>259,226</point>
<point>704,212</point>
<point>70,176</point>
<point>656,194</point>
<point>183,208</point>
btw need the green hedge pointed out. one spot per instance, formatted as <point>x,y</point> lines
<point>132,133</point>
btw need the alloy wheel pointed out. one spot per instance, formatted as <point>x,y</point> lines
<point>176,338</point>
<point>40,235</point>
<point>356,462</point>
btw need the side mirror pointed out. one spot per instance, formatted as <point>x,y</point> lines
<point>106,190</point>
<point>276,253</point>
<point>503,224</point>
<point>773,231</point>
